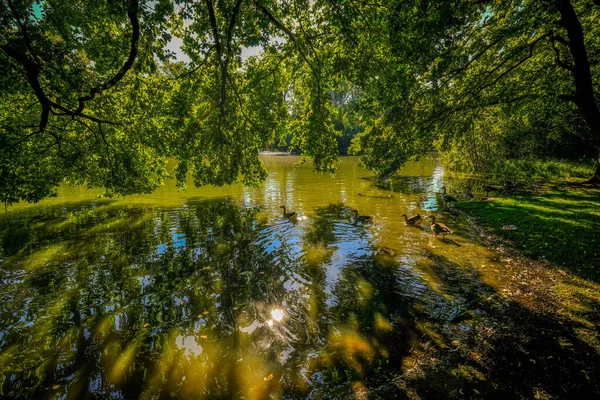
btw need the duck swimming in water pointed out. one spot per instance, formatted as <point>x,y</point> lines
<point>362,218</point>
<point>411,220</point>
<point>438,227</point>
<point>288,215</point>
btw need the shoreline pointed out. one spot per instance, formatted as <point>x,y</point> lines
<point>535,336</point>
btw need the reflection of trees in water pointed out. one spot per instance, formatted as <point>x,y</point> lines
<point>359,329</point>
<point>410,184</point>
<point>112,302</point>
<point>144,302</point>
<point>132,301</point>
<point>369,329</point>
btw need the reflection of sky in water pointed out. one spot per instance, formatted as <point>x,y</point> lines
<point>190,344</point>
<point>433,189</point>
<point>178,242</point>
<point>251,328</point>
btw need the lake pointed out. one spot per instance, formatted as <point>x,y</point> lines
<point>213,293</point>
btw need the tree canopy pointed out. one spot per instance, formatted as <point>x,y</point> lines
<point>94,96</point>
<point>503,78</point>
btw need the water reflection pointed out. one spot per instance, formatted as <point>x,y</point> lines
<point>216,298</point>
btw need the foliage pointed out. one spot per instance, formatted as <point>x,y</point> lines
<point>531,169</point>
<point>94,97</point>
<point>347,114</point>
<point>500,81</point>
<point>497,139</point>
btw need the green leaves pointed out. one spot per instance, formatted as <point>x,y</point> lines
<point>92,90</point>
<point>107,108</point>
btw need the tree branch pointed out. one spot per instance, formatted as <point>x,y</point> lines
<point>23,30</point>
<point>68,113</point>
<point>132,13</point>
<point>282,28</point>
<point>530,46</point>
<point>234,14</point>
<point>33,70</point>
<point>222,65</point>
<point>557,59</point>
<point>292,37</point>
<point>474,58</point>
<point>213,24</point>
<point>568,97</point>
<point>248,119</point>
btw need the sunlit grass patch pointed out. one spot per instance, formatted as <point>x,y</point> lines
<point>559,225</point>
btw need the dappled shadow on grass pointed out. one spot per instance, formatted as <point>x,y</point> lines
<point>512,352</point>
<point>470,340</point>
<point>561,227</point>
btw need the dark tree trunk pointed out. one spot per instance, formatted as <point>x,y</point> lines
<point>584,86</point>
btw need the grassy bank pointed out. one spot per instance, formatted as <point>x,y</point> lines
<point>560,224</point>
<point>560,227</point>
<point>551,169</point>
<point>531,170</point>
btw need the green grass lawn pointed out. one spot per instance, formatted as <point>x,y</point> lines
<point>560,224</point>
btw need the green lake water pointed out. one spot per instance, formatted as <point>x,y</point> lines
<point>212,293</point>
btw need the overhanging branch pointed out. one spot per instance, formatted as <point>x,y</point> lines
<point>132,14</point>
<point>557,60</point>
<point>285,30</point>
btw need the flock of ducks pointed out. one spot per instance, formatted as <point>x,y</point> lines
<point>437,228</point>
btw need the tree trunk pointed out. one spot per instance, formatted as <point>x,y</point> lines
<point>584,86</point>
